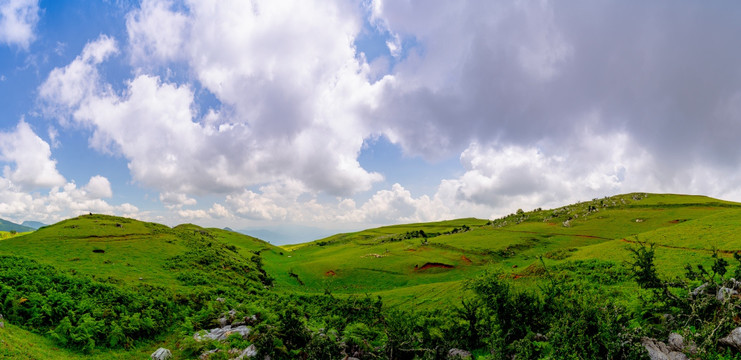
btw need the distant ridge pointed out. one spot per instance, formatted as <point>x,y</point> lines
<point>33,224</point>
<point>6,225</point>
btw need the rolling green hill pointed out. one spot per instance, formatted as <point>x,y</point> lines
<point>180,280</point>
<point>415,270</point>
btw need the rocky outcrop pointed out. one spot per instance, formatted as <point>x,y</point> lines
<point>222,333</point>
<point>658,350</point>
<point>458,354</point>
<point>161,354</point>
<point>733,339</point>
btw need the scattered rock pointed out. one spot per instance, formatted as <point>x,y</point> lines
<point>249,352</point>
<point>161,354</point>
<point>207,354</point>
<point>676,342</point>
<point>222,333</point>
<point>458,354</point>
<point>221,300</point>
<point>699,290</point>
<point>725,293</point>
<point>639,220</point>
<point>2,325</point>
<point>657,350</point>
<point>733,339</point>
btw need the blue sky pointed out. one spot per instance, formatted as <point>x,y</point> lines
<point>310,117</point>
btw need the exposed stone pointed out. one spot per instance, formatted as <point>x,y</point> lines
<point>249,352</point>
<point>733,339</point>
<point>725,293</point>
<point>161,354</point>
<point>207,354</point>
<point>222,333</point>
<point>458,354</point>
<point>221,300</point>
<point>2,325</point>
<point>676,342</point>
<point>699,290</point>
<point>657,350</point>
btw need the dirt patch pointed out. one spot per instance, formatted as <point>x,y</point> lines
<point>330,273</point>
<point>410,250</point>
<point>466,260</point>
<point>677,221</point>
<point>433,265</point>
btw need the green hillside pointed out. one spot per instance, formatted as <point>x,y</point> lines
<point>107,287</point>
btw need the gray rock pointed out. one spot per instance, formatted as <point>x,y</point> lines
<point>733,339</point>
<point>221,300</point>
<point>676,342</point>
<point>657,350</point>
<point>699,290</point>
<point>207,354</point>
<point>249,352</point>
<point>222,333</point>
<point>458,354</point>
<point>161,354</point>
<point>2,325</point>
<point>725,293</point>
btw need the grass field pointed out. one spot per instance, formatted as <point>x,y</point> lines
<point>411,266</point>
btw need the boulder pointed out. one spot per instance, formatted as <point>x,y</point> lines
<point>222,333</point>
<point>657,350</point>
<point>249,352</point>
<point>458,354</point>
<point>161,354</point>
<point>733,339</point>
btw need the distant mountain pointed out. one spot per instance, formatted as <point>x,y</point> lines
<point>290,234</point>
<point>6,225</point>
<point>33,224</point>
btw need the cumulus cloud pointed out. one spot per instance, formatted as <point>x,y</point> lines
<point>32,166</point>
<point>290,87</point>
<point>98,187</point>
<point>18,19</point>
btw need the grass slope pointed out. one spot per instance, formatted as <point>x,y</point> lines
<point>384,262</point>
<point>410,266</point>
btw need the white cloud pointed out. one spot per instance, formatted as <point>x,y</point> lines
<point>66,88</point>
<point>291,89</point>
<point>18,19</point>
<point>155,32</point>
<point>99,187</point>
<point>171,199</point>
<point>33,166</point>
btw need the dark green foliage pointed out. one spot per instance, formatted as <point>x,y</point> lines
<point>80,312</point>
<point>644,270</point>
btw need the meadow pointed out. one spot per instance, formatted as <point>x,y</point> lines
<point>402,291</point>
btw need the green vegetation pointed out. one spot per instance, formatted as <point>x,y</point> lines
<point>586,281</point>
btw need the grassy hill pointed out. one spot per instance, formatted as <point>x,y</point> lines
<point>420,268</point>
<point>415,270</point>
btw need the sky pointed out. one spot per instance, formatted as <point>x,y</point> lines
<point>301,118</point>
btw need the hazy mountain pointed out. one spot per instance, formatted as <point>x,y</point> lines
<point>6,225</point>
<point>33,224</point>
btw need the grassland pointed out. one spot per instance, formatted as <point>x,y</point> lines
<point>412,266</point>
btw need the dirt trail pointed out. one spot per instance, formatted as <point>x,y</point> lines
<point>466,260</point>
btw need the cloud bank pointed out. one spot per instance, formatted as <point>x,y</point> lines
<point>543,103</point>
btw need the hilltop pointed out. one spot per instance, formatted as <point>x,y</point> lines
<point>73,289</point>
